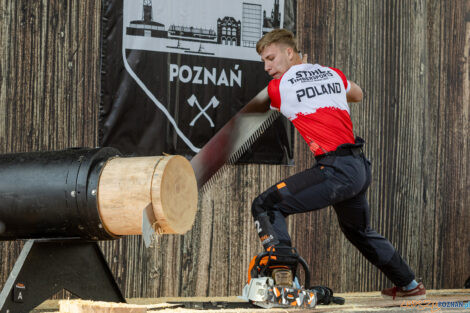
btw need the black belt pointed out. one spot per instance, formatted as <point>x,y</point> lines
<point>341,152</point>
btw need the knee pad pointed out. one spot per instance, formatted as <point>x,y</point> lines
<point>257,207</point>
<point>265,201</point>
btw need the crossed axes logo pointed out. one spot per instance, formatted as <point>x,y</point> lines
<point>213,103</point>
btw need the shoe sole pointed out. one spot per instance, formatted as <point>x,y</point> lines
<point>418,297</point>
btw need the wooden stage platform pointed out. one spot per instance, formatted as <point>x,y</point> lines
<point>355,302</point>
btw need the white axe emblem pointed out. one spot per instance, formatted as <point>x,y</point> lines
<point>193,101</point>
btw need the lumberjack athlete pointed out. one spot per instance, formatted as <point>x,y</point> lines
<point>315,99</point>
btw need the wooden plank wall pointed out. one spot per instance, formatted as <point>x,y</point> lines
<point>410,57</point>
<point>49,81</point>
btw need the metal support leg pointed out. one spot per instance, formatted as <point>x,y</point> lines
<point>45,267</point>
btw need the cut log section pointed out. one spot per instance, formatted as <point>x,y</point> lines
<point>129,185</point>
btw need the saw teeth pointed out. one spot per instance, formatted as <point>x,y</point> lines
<point>241,150</point>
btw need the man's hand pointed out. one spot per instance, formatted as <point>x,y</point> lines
<point>354,94</point>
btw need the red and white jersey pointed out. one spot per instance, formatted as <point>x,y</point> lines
<point>313,98</point>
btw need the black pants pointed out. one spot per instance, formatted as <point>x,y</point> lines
<point>340,181</point>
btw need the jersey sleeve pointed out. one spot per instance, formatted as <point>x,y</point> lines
<point>346,83</point>
<point>274,94</point>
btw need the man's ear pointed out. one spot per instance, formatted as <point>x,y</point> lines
<point>290,53</point>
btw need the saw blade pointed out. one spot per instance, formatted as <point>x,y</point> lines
<point>233,139</point>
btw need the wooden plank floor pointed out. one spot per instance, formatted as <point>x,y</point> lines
<point>355,302</point>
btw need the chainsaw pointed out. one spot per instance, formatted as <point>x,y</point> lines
<point>272,286</point>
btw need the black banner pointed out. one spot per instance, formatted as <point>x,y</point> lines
<point>174,72</point>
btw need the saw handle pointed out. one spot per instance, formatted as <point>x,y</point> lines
<point>259,257</point>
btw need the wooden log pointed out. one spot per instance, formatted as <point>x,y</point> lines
<point>166,184</point>
<point>87,306</point>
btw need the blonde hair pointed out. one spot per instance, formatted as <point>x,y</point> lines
<point>280,35</point>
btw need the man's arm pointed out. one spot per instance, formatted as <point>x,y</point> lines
<point>354,94</point>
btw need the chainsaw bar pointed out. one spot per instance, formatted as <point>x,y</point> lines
<point>232,140</point>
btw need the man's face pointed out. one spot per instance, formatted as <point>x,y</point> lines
<point>277,59</point>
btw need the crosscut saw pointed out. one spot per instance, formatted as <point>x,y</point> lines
<point>233,139</point>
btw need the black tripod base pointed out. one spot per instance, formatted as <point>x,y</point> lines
<point>45,267</point>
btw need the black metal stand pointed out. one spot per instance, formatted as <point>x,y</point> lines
<point>46,266</point>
